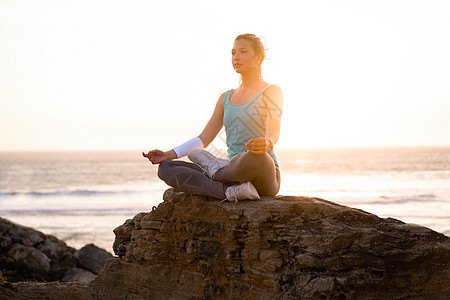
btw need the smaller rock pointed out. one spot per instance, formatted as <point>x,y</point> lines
<point>30,257</point>
<point>28,254</point>
<point>20,234</point>
<point>55,248</point>
<point>79,275</point>
<point>4,242</point>
<point>92,258</point>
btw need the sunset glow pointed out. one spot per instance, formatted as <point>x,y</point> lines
<point>110,75</point>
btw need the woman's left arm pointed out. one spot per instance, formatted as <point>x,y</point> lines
<point>273,97</point>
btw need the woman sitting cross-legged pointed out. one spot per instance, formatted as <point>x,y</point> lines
<point>251,115</point>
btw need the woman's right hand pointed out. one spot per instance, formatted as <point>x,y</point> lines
<point>156,156</point>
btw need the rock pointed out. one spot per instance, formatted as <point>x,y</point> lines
<point>5,242</point>
<point>79,275</point>
<point>123,235</point>
<point>92,258</point>
<point>30,258</point>
<point>55,248</point>
<point>48,291</point>
<point>19,234</point>
<point>284,247</point>
<point>27,254</point>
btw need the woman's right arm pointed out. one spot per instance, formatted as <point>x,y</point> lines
<point>208,134</point>
<point>214,124</point>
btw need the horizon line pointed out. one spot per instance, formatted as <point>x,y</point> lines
<point>277,148</point>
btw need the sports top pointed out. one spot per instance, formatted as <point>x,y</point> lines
<point>245,121</point>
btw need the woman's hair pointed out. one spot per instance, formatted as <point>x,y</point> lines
<point>258,48</point>
<point>256,43</point>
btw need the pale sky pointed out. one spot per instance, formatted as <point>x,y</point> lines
<point>147,74</point>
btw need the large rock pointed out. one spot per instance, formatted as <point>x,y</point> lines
<point>285,247</point>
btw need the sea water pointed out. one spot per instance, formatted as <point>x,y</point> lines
<point>80,197</point>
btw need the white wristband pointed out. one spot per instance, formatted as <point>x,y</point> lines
<point>183,149</point>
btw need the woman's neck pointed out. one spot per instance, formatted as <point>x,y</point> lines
<point>250,80</point>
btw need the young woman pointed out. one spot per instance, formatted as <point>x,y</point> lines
<point>251,115</point>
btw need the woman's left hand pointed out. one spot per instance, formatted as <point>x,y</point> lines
<point>259,145</point>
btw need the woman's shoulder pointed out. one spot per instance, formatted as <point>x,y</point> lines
<point>221,99</point>
<point>273,90</point>
<point>273,97</point>
<point>272,87</point>
<point>222,96</point>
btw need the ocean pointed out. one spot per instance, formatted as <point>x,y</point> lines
<point>81,196</point>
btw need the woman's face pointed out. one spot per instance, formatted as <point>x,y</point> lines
<point>243,57</point>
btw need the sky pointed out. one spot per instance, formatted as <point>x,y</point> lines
<point>146,75</point>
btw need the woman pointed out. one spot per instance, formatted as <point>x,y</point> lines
<point>251,115</point>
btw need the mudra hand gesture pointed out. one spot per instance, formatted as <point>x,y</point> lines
<point>155,156</point>
<point>259,145</point>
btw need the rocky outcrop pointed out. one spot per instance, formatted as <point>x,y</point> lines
<point>27,254</point>
<point>283,247</point>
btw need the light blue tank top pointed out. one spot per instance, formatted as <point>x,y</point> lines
<point>245,121</point>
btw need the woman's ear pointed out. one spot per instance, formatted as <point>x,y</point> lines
<point>260,59</point>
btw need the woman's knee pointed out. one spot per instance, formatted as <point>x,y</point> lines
<point>257,160</point>
<point>255,156</point>
<point>163,169</point>
<point>269,189</point>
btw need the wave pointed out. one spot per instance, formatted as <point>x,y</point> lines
<point>77,211</point>
<point>418,198</point>
<point>78,193</point>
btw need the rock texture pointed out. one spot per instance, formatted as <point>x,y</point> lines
<point>286,247</point>
<point>47,291</point>
<point>27,254</point>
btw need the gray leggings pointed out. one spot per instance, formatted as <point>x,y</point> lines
<point>245,166</point>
